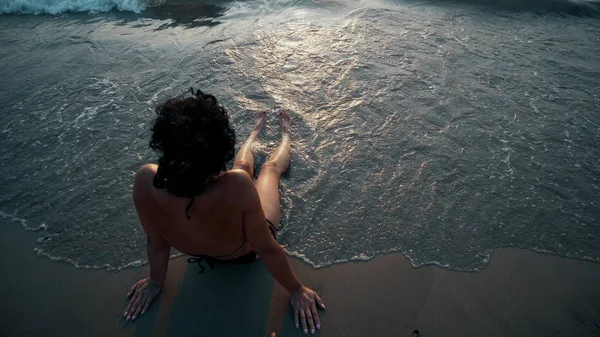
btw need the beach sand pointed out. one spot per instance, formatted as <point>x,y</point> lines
<point>520,293</point>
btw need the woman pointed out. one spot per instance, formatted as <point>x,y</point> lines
<point>192,203</point>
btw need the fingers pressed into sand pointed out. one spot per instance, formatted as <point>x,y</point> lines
<point>130,306</point>
<point>146,307</point>
<point>134,304</point>
<point>132,290</point>
<point>138,309</point>
<point>310,320</point>
<point>303,321</point>
<point>315,315</point>
<point>127,309</point>
<point>319,301</point>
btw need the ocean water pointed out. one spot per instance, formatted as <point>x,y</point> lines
<point>440,129</point>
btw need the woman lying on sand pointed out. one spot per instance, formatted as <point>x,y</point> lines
<point>191,202</point>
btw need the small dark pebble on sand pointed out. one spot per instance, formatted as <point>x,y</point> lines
<point>416,332</point>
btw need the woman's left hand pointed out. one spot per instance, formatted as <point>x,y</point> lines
<point>304,302</point>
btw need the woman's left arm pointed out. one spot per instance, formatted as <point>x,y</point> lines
<point>304,300</point>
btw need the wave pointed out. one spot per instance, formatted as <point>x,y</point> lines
<point>62,6</point>
<point>587,8</point>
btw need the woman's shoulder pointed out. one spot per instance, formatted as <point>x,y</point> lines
<point>236,176</point>
<point>143,179</point>
<point>237,181</point>
<point>146,173</point>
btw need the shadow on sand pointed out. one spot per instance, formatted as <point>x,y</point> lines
<point>230,300</point>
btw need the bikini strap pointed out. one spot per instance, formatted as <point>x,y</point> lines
<point>210,260</point>
<point>189,206</point>
<point>274,230</point>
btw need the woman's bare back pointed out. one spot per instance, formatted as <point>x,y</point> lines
<point>215,227</point>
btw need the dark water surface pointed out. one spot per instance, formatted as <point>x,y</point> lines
<point>440,129</point>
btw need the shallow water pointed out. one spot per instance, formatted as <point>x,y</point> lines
<point>439,129</point>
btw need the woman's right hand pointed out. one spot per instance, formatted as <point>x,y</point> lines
<point>304,302</point>
<point>142,294</point>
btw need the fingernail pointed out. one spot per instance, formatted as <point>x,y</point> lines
<point>128,318</point>
<point>312,331</point>
<point>297,326</point>
<point>318,326</point>
<point>305,332</point>
<point>133,318</point>
<point>125,314</point>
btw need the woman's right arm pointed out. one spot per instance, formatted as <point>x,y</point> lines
<point>145,290</point>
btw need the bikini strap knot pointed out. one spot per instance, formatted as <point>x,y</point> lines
<point>198,260</point>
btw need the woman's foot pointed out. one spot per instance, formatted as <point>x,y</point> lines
<point>244,160</point>
<point>280,158</point>
<point>260,119</point>
<point>286,124</point>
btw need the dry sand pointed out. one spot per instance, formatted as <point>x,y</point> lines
<point>521,293</point>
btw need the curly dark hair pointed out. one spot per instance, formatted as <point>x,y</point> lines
<point>195,141</point>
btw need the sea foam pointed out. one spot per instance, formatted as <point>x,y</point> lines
<point>62,6</point>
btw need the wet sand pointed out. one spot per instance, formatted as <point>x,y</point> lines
<point>521,293</point>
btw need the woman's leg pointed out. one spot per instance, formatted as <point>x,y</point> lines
<point>267,183</point>
<point>244,159</point>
